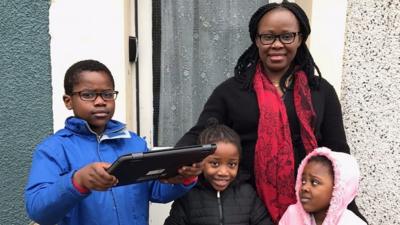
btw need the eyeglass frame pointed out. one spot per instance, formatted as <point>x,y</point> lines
<point>278,36</point>
<point>101,94</point>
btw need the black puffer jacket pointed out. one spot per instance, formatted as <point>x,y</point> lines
<point>236,205</point>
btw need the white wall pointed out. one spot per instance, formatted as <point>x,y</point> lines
<point>145,69</point>
<point>328,22</point>
<point>87,29</point>
<point>370,100</point>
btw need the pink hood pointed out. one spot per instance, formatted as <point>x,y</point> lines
<point>347,175</point>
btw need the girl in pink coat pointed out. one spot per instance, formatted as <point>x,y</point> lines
<point>326,183</point>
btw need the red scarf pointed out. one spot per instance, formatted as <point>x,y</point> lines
<point>274,156</point>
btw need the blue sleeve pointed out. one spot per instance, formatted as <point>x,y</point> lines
<point>163,193</point>
<point>49,194</point>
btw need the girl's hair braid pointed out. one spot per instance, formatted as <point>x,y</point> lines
<point>215,132</point>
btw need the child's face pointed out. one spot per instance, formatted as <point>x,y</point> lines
<point>221,168</point>
<point>97,112</point>
<point>316,189</point>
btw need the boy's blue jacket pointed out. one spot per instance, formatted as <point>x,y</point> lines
<point>51,198</point>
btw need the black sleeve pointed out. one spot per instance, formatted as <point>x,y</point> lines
<point>353,207</point>
<point>214,107</point>
<point>259,214</point>
<point>332,129</point>
<point>177,215</point>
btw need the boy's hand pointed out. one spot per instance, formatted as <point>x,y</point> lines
<point>95,177</point>
<point>185,173</point>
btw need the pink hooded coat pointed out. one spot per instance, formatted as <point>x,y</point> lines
<point>347,175</point>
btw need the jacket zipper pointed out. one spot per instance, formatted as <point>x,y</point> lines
<point>98,137</point>
<point>221,217</point>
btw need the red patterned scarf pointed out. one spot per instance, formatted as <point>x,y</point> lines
<point>274,156</point>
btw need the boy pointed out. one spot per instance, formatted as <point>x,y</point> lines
<point>68,182</point>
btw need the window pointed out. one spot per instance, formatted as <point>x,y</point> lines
<point>195,47</point>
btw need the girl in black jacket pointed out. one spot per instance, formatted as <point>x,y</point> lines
<point>220,197</point>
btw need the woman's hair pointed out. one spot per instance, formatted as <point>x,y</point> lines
<point>324,161</point>
<point>215,132</point>
<point>303,59</point>
<point>72,75</point>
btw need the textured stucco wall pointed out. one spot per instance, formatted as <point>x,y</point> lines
<point>25,93</point>
<point>371,104</point>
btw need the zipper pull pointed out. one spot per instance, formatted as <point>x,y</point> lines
<point>221,216</point>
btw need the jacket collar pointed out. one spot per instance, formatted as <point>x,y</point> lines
<point>241,177</point>
<point>114,129</point>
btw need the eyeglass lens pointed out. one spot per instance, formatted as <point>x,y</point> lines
<point>286,38</point>
<point>90,96</point>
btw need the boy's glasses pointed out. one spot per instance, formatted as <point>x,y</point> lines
<point>286,38</point>
<point>91,95</point>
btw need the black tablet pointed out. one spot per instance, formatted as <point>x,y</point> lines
<point>157,164</point>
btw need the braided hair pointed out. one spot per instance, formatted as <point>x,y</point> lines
<point>215,132</point>
<point>303,59</point>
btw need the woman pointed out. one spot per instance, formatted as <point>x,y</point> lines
<point>277,105</point>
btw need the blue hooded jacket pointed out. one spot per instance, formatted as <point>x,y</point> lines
<point>50,197</point>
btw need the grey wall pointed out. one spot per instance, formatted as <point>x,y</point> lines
<point>371,104</point>
<point>25,94</point>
